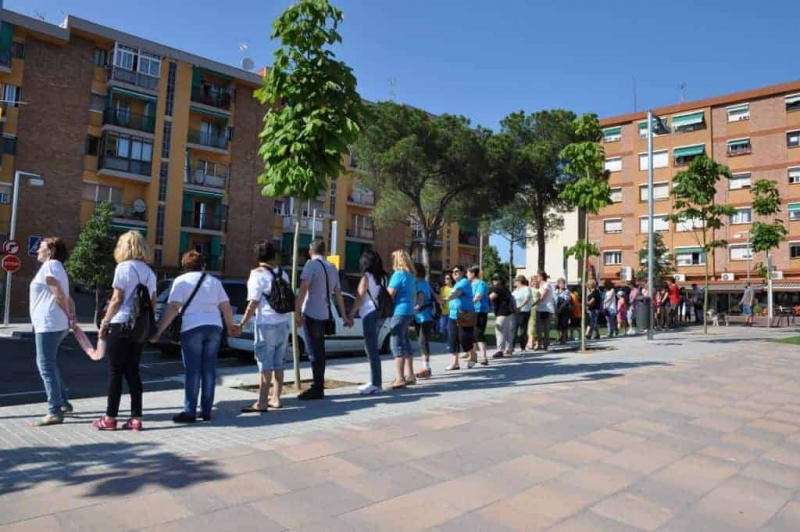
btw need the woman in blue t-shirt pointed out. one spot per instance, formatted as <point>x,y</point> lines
<point>423,323</point>
<point>460,337</point>
<point>403,289</point>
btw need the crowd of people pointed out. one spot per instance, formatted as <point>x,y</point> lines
<point>198,309</point>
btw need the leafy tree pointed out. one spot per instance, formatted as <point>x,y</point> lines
<point>492,264</point>
<point>663,260</point>
<point>512,226</point>
<point>423,166</point>
<point>767,235</point>
<point>589,192</point>
<point>91,262</point>
<point>312,115</point>
<point>695,190</point>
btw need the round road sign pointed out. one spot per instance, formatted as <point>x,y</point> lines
<point>11,247</point>
<point>11,263</point>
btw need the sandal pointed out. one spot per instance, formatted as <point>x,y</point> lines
<point>485,362</point>
<point>133,424</point>
<point>49,419</point>
<point>105,423</point>
<point>250,409</point>
<point>411,381</point>
<point>274,405</point>
<point>452,367</point>
<point>397,385</point>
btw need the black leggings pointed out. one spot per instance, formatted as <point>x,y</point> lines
<point>424,330</point>
<point>123,361</point>
<point>522,329</point>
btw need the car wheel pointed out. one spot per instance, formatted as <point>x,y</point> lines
<point>385,348</point>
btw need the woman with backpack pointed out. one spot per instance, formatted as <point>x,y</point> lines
<point>423,322</point>
<point>272,327</point>
<point>403,289</point>
<point>503,306</point>
<point>195,302</point>
<point>128,323</point>
<point>373,280</point>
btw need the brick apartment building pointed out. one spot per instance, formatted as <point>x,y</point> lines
<point>171,139</point>
<point>756,133</point>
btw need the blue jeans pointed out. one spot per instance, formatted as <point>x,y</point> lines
<point>315,334</point>
<point>594,315</point>
<point>401,344</point>
<point>371,325</point>
<point>611,320</point>
<point>200,347</point>
<point>444,320</point>
<point>47,344</point>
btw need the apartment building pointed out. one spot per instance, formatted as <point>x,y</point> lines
<point>756,133</point>
<point>170,138</point>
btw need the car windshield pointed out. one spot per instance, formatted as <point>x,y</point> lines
<point>237,293</point>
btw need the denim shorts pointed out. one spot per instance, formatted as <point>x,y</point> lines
<point>271,343</point>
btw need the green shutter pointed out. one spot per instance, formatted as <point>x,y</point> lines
<point>688,151</point>
<point>687,251</point>
<point>738,143</point>
<point>215,248</point>
<point>611,131</point>
<point>122,227</point>
<point>210,113</point>
<point>203,193</point>
<point>188,202</point>
<point>687,120</point>
<point>643,126</point>
<point>184,247</point>
<point>794,98</point>
<point>134,94</point>
<point>739,108</point>
<point>6,35</point>
<point>197,75</point>
<point>794,207</point>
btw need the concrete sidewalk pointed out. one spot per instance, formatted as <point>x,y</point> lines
<point>686,433</point>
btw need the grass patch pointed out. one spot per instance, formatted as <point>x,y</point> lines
<point>794,340</point>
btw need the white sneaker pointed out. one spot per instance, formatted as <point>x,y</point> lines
<point>369,389</point>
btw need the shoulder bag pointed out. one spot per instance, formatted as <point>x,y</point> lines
<point>174,331</point>
<point>330,323</point>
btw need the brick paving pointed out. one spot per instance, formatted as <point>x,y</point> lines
<point>687,433</point>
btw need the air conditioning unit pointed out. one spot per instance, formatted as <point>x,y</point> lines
<point>728,277</point>
<point>679,278</point>
<point>626,273</point>
<point>744,117</point>
<point>777,274</point>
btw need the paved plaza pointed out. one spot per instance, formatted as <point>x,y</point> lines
<point>685,433</point>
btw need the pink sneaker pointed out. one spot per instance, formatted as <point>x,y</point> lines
<point>105,423</point>
<point>133,424</point>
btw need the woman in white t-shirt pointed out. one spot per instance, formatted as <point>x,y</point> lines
<point>124,355</point>
<point>52,316</point>
<point>545,310</point>
<point>201,332</point>
<point>366,305</point>
<point>271,331</point>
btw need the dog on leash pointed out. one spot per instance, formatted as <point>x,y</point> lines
<point>716,317</point>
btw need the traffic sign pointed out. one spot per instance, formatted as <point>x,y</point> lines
<point>11,263</point>
<point>33,245</point>
<point>11,247</point>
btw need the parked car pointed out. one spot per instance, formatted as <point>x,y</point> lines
<point>346,340</point>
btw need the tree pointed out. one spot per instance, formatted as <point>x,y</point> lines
<point>695,190</point>
<point>492,264</point>
<point>422,165</point>
<point>312,115</point>
<point>589,192</point>
<point>662,260</point>
<point>512,226</point>
<point>91,262</point>
<point>767,235</point>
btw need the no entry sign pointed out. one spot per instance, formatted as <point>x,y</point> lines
<point>11,263</point>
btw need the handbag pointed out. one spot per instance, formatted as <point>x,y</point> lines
<point>330,323</point>
<point>466,318</point>
<point>174,331</point>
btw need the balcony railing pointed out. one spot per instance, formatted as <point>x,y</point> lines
<point>130,166</point>
<point>139,122</point>
<point>366,233</point>
<point>739,150</point>
<point>215,98</point>
<point>139,79</point>
<point>210,221</point>
<point>204,138</point>
<point>129,212</point>
<point>208,174</point>
<point>416,236</point>
<point>306,225</point>
<point>467,239</point>
<point>362,198</point>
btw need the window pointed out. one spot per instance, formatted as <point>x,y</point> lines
<point>163,178</point>
<point>614,164</point>
<point>124,56</point>
<point>689,257</point>
<point>612,226</point>
<point>100,57</point>
<point>611,258</point>
<point>97,103</point>
<point>683,156</point>
<point>794,250</point>
<point>739,252</point>
<point>660,224</point>
<point>793,139</point>
<point>10,94</point>
<point>18,50</point>
<point>742,216</point>
<point>660,160</point>
<point>277,208</point>
<point>794,212</point>
<point>170,102</point>
<point>660,192</point>
<point>5,194</point>
<point>166,143</point>
<point>684,226</point>
<point>616,195</point>
<point>149,64</point>
<point>738,112</point>
<point>793,103</point>
<point>92,145</point>
<point>657,131</point>
<point>794,176</point>
<point>739,181</point>
<point>100,193</point>
<point>688,122</point>
<point>739,147</point>
<point>129,147</point>
<point>612,134</point>
<point>160,225</point>
<point>9,144</point>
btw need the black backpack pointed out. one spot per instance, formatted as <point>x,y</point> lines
<point>281,297</point>
<point>141,324</point>
<point>385,303</point>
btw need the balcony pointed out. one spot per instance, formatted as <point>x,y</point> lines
<point>416,236</point>
<point>364,233</point>
<point>129,166</point>
<point>209,174</point>
<point>126,119</point>
<point>205,221</point>
<point>208,139</point>
<point>362,198</point>
<point>467,239</point>
<point>306,225</point>
<point>130,213</point>
<point>144,81</point>
<point>213,97</point>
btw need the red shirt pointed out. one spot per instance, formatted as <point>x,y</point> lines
<point>674,299</point>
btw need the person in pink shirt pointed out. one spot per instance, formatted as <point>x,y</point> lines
<point>622,313</point>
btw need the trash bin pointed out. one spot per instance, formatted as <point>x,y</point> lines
<point>643,312</point>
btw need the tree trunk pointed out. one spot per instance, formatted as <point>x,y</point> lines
<point>511,263</point>
<point>705,291</point>
<point>426,258</point>
<point>295,253</point>
<point>541,238</point>
<point>584,295</point>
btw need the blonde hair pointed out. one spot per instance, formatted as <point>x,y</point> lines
<point>402,261</point>
<point>131,246</point>
<point>591,284</point>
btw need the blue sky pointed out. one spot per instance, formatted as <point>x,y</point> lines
<point>486,59</point>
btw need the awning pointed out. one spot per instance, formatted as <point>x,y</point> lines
<point>688,151</point>
<point>688,120</point>
<point>123,227</point>
<point>209,112</point>
<point>794,207</point>
<point>740,143</point>
<point>611,131</point>
<point>133,94</point>
<point>204,193</point>
<point>687,251</point>
<point>739,108</point>
<point>793,98</point>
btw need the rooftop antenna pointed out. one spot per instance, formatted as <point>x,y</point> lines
<point>41,16</point>
<point>246,62</point>
<point>392,85</point>
<point>682,90</point>
<point>635,103</point>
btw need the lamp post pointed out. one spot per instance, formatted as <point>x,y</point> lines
<point>662,128</point>
<point>746,235</point>
<point>36,181</point>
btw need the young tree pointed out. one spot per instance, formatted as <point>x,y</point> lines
<point>422,166</point>
<point>512,226</point>
<point>589,192</point>
<point>694,190</point>
<point>492,264</point>
<point>91,262</point>
<point>312,115</point>
<point>663,260</point>
<point>767,235</point>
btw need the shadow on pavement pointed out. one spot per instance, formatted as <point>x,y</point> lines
<point>105,468</point>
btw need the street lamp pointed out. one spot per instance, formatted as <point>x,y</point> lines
<point>746,235</point>
<point>35,180</point>
<point>654,124</point>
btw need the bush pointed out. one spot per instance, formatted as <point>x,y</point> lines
<point>757,310</point>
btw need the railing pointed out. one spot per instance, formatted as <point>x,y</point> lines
<point>305,225</point>
<point>139,79</point>
<point>216,98</point>
<point>362,198</point>
<point>131,166</point>
<point>211,221</point>
<point>684,161</point>
<point>416,236</point>
<point>204,138</point>
<point>367,233</point>
<point>5,58</point>
<point>467,239</point>
<point>739,150</point>
<point>691,127</point>
<point>128,212</point>
<point>139,122</point>
<point>208,174</point>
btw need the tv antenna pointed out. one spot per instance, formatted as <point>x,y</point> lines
<point>246,62</point>
<point>682,90</point>
<point>392,86</point>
